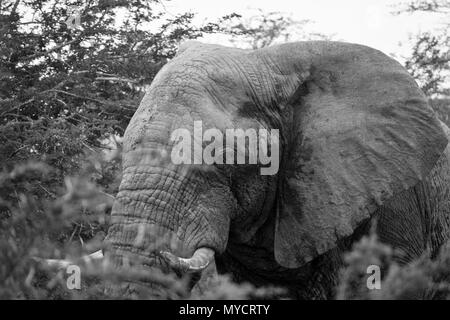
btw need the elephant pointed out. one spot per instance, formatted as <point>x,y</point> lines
<point>359,148</point>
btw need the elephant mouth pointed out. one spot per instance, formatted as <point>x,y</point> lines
<point>164,275</point>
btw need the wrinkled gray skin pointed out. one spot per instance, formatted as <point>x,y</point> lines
<point>358,144</point>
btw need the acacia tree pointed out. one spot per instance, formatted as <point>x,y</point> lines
<point>263,29</point>
<point>73,72</point>
<point>429,61</point>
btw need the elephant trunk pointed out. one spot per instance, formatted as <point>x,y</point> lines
<point>159,224</point>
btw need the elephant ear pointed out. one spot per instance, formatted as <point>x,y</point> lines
<point>362,132</point>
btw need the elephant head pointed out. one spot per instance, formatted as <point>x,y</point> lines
<point>354,130</point>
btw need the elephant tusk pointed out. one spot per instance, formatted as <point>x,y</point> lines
<point>201,258</point>
<point>64,263</point>
<point>97,255</point>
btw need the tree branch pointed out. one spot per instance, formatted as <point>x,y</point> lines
<point>104,102</point>
<point>115,79</point>
<point>40,54</point>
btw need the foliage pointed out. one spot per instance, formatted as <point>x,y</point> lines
<point>423,278</point>
<point>29,231</point>
<point>429,61</point>
<point>267,28</point>
<point>31,224</point>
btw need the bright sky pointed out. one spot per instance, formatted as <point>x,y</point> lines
<point>367,22</point>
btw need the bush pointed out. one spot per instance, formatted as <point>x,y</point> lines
<point>38,227</point>
<point>34,228</point>
<point>424,278</point>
